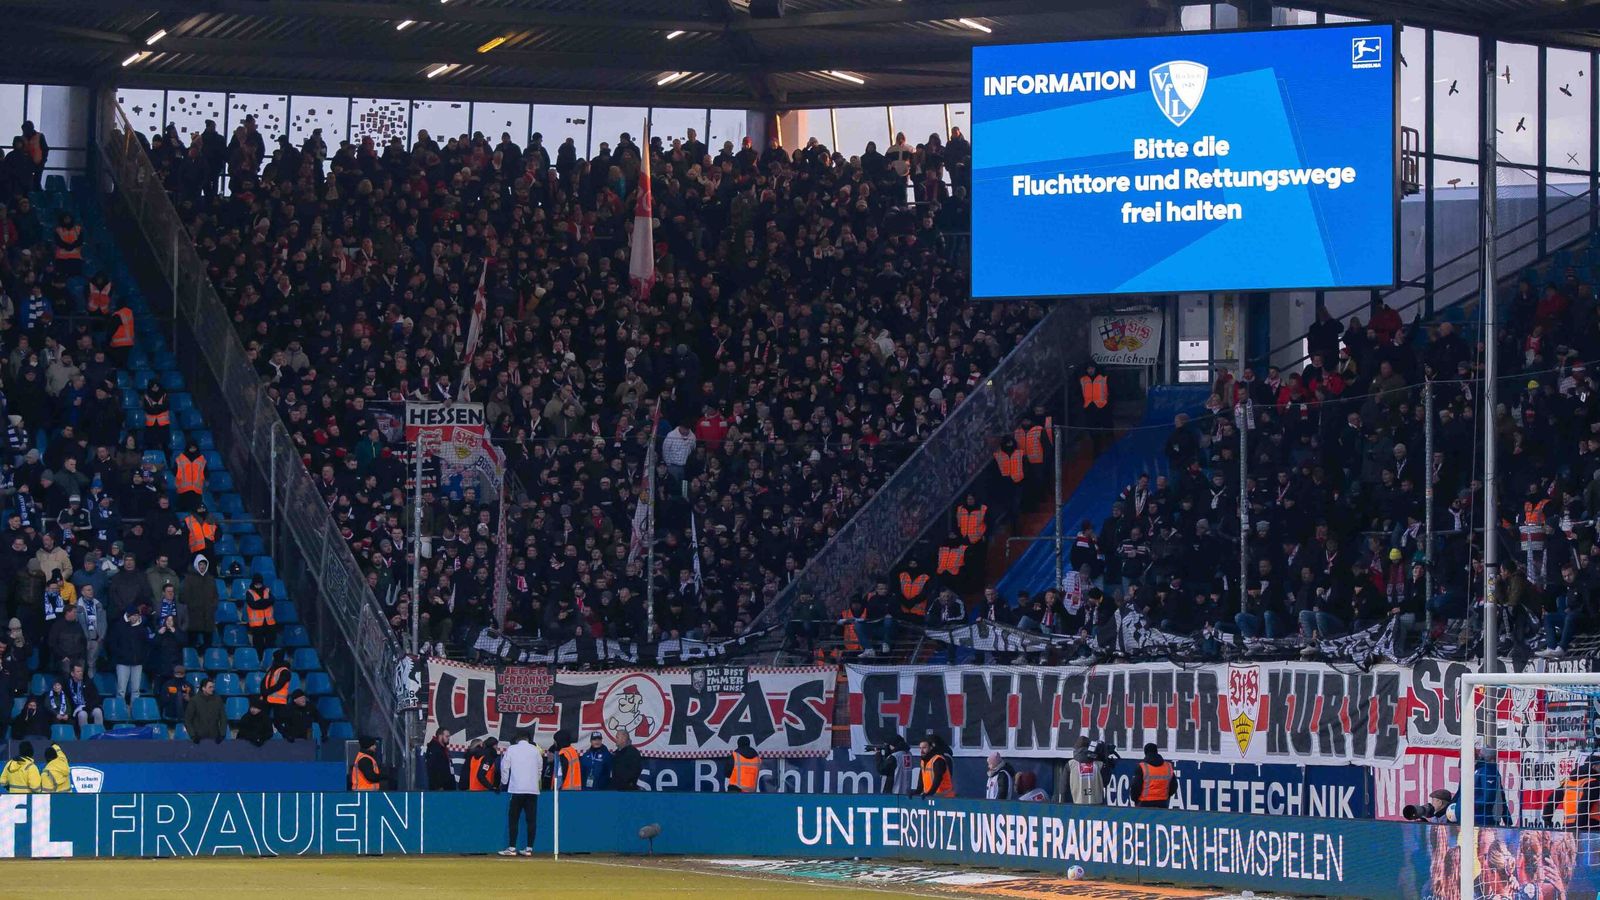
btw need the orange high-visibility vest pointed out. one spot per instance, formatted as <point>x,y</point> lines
<point>1157,782</point>
<point>483,772</point>
<point>1533,513</point>
<point>945,787</point>
<point>1095,392</point>
<point>911,588</point>
<point>191,475</point>
<point>970,523</point>
<point>280,694</point>
<point>951,559</point>
<point>123,335</point>
<point>1010,464</point>
<point>358,781</point>
<point>746,773</point>
<point>852,642</point>
<point>201,534</point>
<point>572,780</point>
<point>1572,792</point>
<point>260,617</point>
<point>1032,442</point>
<point>100,298</point>
<point>65,236</point>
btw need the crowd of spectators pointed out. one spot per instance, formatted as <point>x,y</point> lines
<point>806,330</point>
<point>96,573</point>
<point>1335,495</point>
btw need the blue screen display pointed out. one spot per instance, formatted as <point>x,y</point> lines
<point>1227,161</point>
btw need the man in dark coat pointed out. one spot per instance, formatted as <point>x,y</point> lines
<point>441,777</point>
<point>626,764</point>
<point>198,594</point>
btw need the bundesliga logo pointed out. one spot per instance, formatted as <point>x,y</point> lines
<point>1178,87</point>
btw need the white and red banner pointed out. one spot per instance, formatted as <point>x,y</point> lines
<point>685,712</point>
<point>456,433</point>
<point>642,242</point>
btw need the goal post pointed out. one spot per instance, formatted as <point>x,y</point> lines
<point>1537,735</point>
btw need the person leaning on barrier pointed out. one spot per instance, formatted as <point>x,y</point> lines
<point>1155,782</point>
<point>366,773</point>
<point>744,772</point>
<point>57,775</point>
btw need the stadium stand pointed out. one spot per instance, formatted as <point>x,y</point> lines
<point>808,331</point>
<point>118,609</point>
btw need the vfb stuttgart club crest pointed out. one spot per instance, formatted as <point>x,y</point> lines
<point>1244,703</point>
<point>1178,87</point>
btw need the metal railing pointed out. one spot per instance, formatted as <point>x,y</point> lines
<point>925,488</point>
<point>344,620</point>
<point>1457,279</point>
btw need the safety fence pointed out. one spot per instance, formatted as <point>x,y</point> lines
<point>1272,853</point>
<point>343,618</point>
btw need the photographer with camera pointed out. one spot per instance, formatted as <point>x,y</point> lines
<point>895,772</point>
<point>1438,809</point>
<point>1089,772</point>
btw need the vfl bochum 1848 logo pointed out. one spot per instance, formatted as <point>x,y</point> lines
<point>1178,87</point>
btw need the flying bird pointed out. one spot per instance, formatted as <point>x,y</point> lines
<point>1453,89</point>
<point>1565,90</point>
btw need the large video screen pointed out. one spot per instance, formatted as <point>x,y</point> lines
<point>1252,160</point>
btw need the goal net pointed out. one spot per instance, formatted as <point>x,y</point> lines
<point>1529,799</point>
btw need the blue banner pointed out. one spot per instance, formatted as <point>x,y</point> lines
<point>1244,160</point>
<point>123,778</point>
<point>1329,792</point>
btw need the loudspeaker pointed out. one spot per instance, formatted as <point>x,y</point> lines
<point>766,9</point>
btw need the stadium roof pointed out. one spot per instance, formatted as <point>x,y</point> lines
<point>708,52</point>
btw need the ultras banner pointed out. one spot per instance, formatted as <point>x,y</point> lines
<point>700,712</point>
<point>1283,712</point>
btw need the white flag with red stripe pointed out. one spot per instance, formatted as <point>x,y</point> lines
<point>480,310</point>
<point>642,246</point>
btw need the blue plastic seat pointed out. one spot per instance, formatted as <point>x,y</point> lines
<point>285,612</point>
<point>232,505</point>
<point>262,565</point>
<point>228,685</point>
<point>252,545</point>
<point>252,683</point>
<point>116,711</point>
<point>226,543</point>
<point>62,732</point>
<point>40,684</point>
<point>55,184</point>
<point>294,636</point>
<point>316,733</point>
<point>145,710</point>
<point>191,659</point>
<point>341,731</point>
<point>204,438</point>
<point>195,679</point>
<point>190,419</point>
<point>305,659</point>
<point>180,733</point>
<point>236,707</point>
<point>217,659</point>
<point>330,708</point>
<point>235,636</point>
<point>105,683</point>
<point>182,402</point>
<point>245,659</point>
<point>171,380</point>
<point>92,730</point>
<point>16,706</point>
<point>318,684</point>
<point>227,613</point>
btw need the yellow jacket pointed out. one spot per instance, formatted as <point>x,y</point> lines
<point>20,776</point>
<point>57,776</point>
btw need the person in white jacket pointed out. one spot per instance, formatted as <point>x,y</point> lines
<point>521,767</point>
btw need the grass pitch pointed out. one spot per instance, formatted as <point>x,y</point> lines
<point>317,877</point>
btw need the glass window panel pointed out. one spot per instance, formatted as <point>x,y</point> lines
<point>307,114</point>
<point>271,112</point>
<point>60,112</point>
<point>1414,82</point>
<point>495,119</point>
<point>855,126</point>
<point>1225,15</point>
<point>1195,18</point>
<point>673,123</point>
<point>555,124</point>
<point>188,111</point>
<point>733,125</point>
<point>379,119</point>
<point>612,122</point>
<point>1455,94</point>
<point>1282,15</point>
<point>143,107</point>
<point>817,123</point>
<point>1450,175</point>
<point>1517,103</point>
<point>441,119</point>
<point>918,122</point>
<point>13,110</point>
<point>1332,18</point>
<point>960,116</point>
<point>1567,110</point>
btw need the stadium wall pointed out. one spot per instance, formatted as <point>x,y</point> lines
<point>1277,853</point>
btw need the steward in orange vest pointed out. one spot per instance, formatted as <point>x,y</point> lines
<point>935,778</point>
<point>122,334</point>
<point>1095,388</point>
<point>1033,439</point>
<point>258,607</point>
<point>69,245</point>
<point>913,592</point>
<point>202,532</point>
<point>157,416</point>
<point>365,773</point>
<point>850,627</point>
<point>952,557</point>
<point>745,775</point>
<point>483,767</point>
<point>1155,783</point>
<point>100,295</point>
<point>190,477</point>
<point>972,520</point>
<point>1009,459</point>
<point>567,774</point>
<point>275,687</point>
